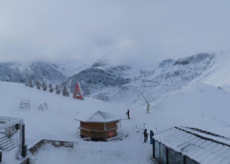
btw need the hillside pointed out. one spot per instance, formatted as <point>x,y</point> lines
<point>121,83</point>
<point>197,105</point>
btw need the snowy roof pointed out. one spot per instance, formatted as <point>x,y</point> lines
<point>205,150</point>
<point>6,122</point>
<point>99,116</point>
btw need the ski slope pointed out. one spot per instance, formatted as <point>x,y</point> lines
<point>58,123</point>
<point>197,105</point>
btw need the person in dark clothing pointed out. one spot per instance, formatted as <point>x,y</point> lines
<point>151,136</point>
<point>145,135</point>
<point>128,114</point>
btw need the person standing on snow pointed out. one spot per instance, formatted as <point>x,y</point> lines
<point>128,114</point>
<point>151,136</point>
<point>145,135</point>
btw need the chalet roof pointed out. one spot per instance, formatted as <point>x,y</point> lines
<point>201,146</point>
<point>98,117</point>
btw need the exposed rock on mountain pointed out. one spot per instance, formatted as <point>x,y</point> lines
<point>122,83</point>
<point>39,71</point>
<point>95,79</point>
<point>7,72</point>
<point>194,59</point>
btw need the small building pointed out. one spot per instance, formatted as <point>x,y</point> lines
<point>181,145</point>
<point>8,127</point>
<point>100,125</point>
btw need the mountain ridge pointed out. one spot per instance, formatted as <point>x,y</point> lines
<point>121,83</point>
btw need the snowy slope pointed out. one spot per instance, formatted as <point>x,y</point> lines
<point>121,83</point>
<point>197,105</point>
<point>71,67</point>
<point>58,123</point>
<point>218,74</point>
<point>169,75</point>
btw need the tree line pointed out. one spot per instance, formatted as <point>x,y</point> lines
<point>57,89</point>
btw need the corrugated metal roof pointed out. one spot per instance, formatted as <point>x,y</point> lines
<point>197,147</point>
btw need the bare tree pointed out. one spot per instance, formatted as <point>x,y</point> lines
<point>38,85</point>
<point>44,86</point>
<point>65,91</point>
<point>51,88</point>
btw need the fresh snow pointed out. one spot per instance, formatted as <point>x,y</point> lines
<point>99,116</point>
<point>192,101</point>
<point>58,123</point>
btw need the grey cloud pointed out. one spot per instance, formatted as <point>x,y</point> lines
<point>132,31</point>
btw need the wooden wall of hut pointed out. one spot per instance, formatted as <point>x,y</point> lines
<point>98,130</point>
<point>92,126</point>
<point>98,134</point>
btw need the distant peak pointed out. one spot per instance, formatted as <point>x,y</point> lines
<point>99,63</point>
<point>194,59</point>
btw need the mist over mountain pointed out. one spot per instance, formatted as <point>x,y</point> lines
<point>121,83</point>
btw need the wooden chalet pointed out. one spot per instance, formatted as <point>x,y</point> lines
<point>100,125</point>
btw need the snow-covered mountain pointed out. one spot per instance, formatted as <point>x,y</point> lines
<point>40,71</point>
<point>188,92</point>
<point>116,83</point>
<point>168,76</point>
<point>98,79</point>
<point>6,71</point>
<point>195,105</point>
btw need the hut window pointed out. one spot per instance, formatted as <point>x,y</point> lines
<point>163,158</point>
<point>157,151</point>
<point>189,161</point>
<point>174,157</point>
<point>179,158</point>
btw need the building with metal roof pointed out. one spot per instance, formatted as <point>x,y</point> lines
<point>181,145</point>
<point>11,126</point>
<point>99,126</point>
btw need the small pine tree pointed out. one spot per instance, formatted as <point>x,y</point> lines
<point>65,91</point>
<point>57,89</point>
<point>31,84</point>
<point>44,86</point>
<point>38,85</point>
<point>51,88</point>
<point>7,79</point>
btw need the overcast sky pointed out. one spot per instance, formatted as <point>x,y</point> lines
<point>123,31</point>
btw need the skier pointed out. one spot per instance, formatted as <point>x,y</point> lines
<point>128,114</point>
<point>151,136</point>
<point>145,135</point>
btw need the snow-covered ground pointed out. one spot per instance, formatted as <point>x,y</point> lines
<point>58,123</point>
<point>197,105</point>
